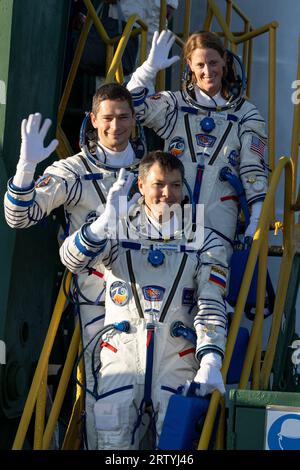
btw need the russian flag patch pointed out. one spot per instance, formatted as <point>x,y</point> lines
<point>218,276</point>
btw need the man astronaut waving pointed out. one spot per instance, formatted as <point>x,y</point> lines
<point>152,281</point>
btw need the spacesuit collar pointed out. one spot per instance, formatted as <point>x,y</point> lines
<point>142,225</point>
<point>168,229</point>
<point>115,159</point>
<point>206,100</point>
<point>109,160</point>
<point>199,101</point>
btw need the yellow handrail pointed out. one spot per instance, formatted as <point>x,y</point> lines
<point>62,387</point>
<point>72,438</point>
<point>257,327</point>
<point>42,365</point>
<point>261,234</point>
<point>116,61</point>
<point>40,413</point>
<point>296,129</point>
<point>291,245</point>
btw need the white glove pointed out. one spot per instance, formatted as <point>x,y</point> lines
<point>159,52</point>
<point>116,208</point>
<point>32,148</point>
<point>209,374</point>
<point>157,60</point>
<point>255,214</point>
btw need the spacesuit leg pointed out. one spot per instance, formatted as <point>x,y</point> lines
<point>116,414</point>
<point>120,393</point>
<point>177,365</point>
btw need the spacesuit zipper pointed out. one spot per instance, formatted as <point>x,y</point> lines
<point>189,137</point>
<point>96,185</point>
<point>133,284</point>
<point>174,287</point>
<point>221,143</point>
<point>198,183</point>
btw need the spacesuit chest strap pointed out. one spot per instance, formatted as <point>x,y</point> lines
<point>189,138</point>
<point>96,185</point>
<point>174,288</point>
<point>198,183</point>
<point>133,284</point>
<point>149,362</point>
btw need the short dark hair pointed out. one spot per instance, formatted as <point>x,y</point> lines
<point>113,92</point>
<point>165,160</point>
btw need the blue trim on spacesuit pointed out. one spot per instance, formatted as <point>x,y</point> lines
<point>115,390</point>
<point>19,203</point>
<point>198,183</point>
<point>17,189</point>
<point>158,246</point>
<point>168,389</point>
<point>84,250</point>
<point>139,97</point>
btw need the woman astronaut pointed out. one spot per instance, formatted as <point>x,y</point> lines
<point>210,125</point>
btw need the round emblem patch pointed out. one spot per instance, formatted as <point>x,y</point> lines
<point>119,293</point>
<point>177,146</point>
<point>258,186</point>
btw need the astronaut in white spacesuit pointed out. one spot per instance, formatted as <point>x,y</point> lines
<point>152,281</point>
<point>80,183</point>
<point>210,126</point>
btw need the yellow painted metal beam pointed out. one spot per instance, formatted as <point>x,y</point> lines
<point>41,366</point>
<point>122,43</point>
<point>62,387</point>
<point>40,413</point>
<point>296,131</point>
<point>284,165</point>
<point>72,439</point>
<point>253,352</point>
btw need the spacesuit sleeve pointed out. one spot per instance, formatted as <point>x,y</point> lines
<point>253,167</point>
<point>58,185</point>
<point>211,319</point>
<point>79,252</point>
<point>158,112</point>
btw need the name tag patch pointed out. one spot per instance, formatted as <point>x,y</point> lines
<point>204,140</point>
<point>153,293</point>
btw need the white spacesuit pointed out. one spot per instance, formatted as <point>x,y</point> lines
<point>151,284</point>
<point>80,184</point>
<point>208,135</point>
